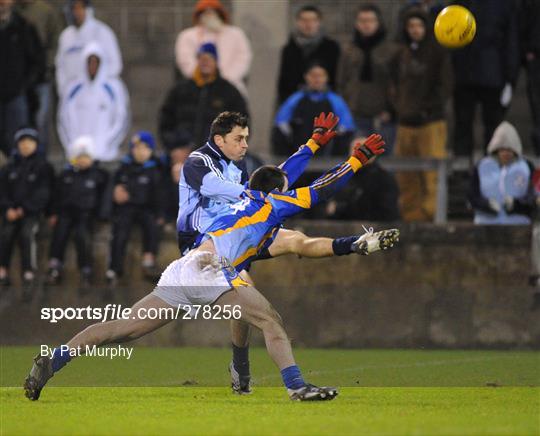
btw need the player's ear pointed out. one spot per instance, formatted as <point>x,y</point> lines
<point>218,140</point>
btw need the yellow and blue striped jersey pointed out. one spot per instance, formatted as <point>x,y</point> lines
<point>251,224</point>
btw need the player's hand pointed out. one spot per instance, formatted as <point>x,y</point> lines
<point>323,128</point>
<point>370,149</point>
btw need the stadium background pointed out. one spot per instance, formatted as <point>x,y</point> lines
<point>451,286</point>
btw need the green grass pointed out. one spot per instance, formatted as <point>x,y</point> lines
<point>382,392</point>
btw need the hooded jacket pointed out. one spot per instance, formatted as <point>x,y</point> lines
<point>491,181</point>
<point>72,43</point>
<point>97,108</point>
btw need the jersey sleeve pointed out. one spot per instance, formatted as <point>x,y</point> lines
<point>295,165</point>
<point>202,175</point>
<point>295,201</point>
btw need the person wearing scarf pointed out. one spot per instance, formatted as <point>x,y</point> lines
<point>364,75</point>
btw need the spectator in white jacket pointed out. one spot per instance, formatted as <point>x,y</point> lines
<point>84,28</point>
<point>211,25</point>
<point>96,105</point>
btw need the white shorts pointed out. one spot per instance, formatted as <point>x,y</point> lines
<point>200,277</point>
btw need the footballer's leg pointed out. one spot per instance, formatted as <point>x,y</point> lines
<point>239,367</point>
<point>257,311</point>
<point>101,333</point>
<point>295,242</point>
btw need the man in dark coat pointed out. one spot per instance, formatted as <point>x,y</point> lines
<point>192,105</point>
<point>485,70</point>
<point>307,45</point>
<point>22,61</point>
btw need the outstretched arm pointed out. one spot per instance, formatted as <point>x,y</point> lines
<point>323,132</point>
<point>292,202</point>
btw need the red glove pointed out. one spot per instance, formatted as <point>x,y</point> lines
<point>323,126</point>
<point>372,147</point>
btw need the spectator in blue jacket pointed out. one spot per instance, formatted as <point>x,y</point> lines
<point>502,191</point>
<point>294,120</point>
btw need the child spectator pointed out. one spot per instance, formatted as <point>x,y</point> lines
<point>307,45</point>
<point>96,105</point>
<point>502,190</point>
<point>25,188</point>
<point>191,105</point>
<point>422,76</point>
<point>211,25</point>
<point>137,198</point>
<point>294,121</point>
<point>364,75</point>
<point>84,29</point>
<point>78,198</point>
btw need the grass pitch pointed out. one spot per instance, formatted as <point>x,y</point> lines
<point>181,391</point>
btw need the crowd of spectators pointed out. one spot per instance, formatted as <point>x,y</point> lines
<point>397,84</point>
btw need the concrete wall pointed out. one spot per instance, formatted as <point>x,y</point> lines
<point>456,286</point>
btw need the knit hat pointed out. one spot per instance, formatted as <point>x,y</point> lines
<point>209,48</point>
<point>82,145</point>
<point>202,5</point>
<point>26,132</point>
<point>505,136</point>
<point>145,137</point>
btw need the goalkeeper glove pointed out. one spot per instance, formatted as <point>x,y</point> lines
<point>371,148</point>
<point>323,126</point>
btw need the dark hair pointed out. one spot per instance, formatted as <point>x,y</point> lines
<point>370,7</point>
<point>315,64</point>
<point>267,178</point>
<point>309,8</point>
<point>226,121</point>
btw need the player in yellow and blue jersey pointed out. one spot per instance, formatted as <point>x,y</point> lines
<point>208,275</point>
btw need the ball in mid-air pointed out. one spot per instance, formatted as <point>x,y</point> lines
<point>455,27</point>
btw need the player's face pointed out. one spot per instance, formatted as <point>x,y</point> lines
<point>416,29</point>
<point>316,79</point>
<point>27,146</point>
<point>93,66</point>
<point>367,23</point>
<point>234,144</point>
<point>308,23</point>
<point>79,12</point>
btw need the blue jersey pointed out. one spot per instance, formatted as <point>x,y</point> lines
<point>251,224</point>
<point>210,182</point>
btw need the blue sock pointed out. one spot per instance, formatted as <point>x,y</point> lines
<point>343,246</point>
<point>292,377</point>
<point>60,358</point>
